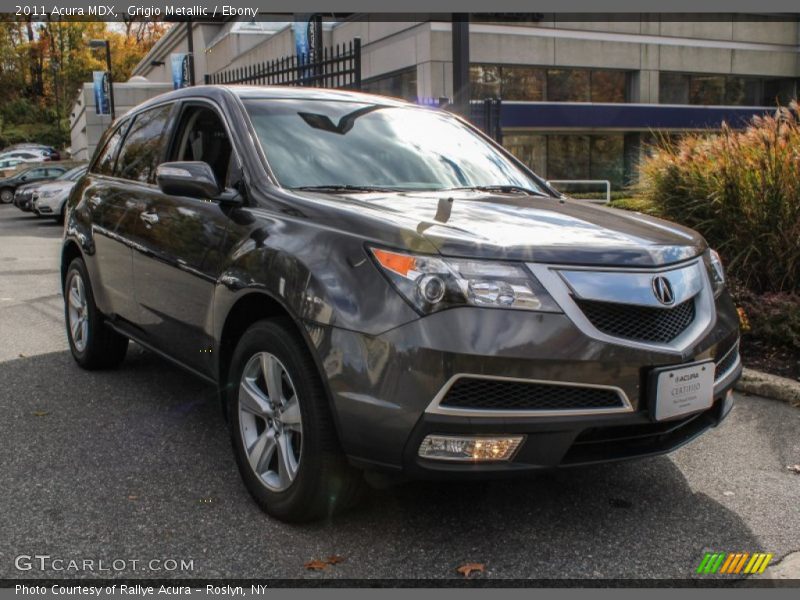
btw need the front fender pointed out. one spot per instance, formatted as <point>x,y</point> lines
<point>78,233</point>
<point>320,275</point>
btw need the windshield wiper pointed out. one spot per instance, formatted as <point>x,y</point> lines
<point>502,189</point>
<point>344,188</point>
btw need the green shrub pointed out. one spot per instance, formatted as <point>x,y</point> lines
<point>741,190</point>
<point>773,318</point>
<point>615,194</point>
<point>637,204</point>
<point>22,120</point>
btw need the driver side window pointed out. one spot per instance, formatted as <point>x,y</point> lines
<point>202,136</point>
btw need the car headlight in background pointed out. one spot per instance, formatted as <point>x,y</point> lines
<point>432,283</point>
<point>715,272</point>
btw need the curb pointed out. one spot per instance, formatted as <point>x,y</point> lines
<point>787,568</point>
<point>771,386</point>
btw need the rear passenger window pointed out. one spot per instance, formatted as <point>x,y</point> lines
<point>104,165</point>
<point>141,149</point>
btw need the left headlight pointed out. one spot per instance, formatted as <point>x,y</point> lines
<point>431,283</point>
<point>715,272</point>
<point>47,194</point>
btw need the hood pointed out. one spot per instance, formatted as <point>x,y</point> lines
<point>525,228</point>
<point>27,187</point>
<point>51,185</point>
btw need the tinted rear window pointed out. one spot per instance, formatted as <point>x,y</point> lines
<point>104,165</point>
<point>141,150</point>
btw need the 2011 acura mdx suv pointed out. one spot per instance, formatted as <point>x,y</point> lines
<point>375,285</point>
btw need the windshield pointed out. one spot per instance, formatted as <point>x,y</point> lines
<point>337,144</point>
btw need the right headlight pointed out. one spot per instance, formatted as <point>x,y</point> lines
<point>432,283</point>
<point>715,272</point>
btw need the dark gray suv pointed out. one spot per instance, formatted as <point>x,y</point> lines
<point>374,285</point>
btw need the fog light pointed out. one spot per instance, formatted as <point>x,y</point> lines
<point>467,448</point>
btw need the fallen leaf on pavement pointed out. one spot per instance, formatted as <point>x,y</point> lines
<point>795,468</point>
<point>40,413</point>
<point>334,559</point>
<point>467,569</point>
<point>21,355</point>
<point>316,565</point>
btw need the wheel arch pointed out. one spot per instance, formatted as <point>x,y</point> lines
<point>253,306</point>
<point>69,252</point>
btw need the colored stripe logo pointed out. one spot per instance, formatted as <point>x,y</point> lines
<point>734,563</point>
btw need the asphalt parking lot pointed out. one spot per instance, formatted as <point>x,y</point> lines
<point>135,464</point>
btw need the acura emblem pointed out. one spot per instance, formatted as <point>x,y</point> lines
<point>662,289</point>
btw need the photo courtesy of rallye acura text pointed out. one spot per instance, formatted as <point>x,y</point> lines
<point>378,286</point>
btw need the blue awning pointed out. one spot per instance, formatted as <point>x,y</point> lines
<point>642,117</point>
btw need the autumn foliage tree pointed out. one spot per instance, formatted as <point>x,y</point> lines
<point>44,63</point>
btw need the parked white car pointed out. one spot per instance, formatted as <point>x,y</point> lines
<point>25,155</point>
<point>49,199</point>
<point>10,163</point>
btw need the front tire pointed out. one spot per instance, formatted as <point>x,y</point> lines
<point>7,195</point>
<point>94,344</point>
<point>282,430</point>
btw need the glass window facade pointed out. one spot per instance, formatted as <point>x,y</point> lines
<point>537,84</point>
<point>400,84</point>
<point>576,156</point>
<point>568,85</point>
<point>523,83</point>
<point>698,89</point>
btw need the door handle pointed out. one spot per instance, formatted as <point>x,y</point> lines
<point>150,218</point>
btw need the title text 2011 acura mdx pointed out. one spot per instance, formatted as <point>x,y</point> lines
<point>374,285</point>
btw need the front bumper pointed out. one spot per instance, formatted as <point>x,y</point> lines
<point>23,202</point>
<point>566,443</point>
<point>383,387</point>
<point>47,205</point>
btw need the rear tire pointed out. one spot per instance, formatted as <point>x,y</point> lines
<point>94,344</point>
<point>7,195</point>
<point>283,435</point>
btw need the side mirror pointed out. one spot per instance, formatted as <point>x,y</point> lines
<point>195,179</point>
<point>24,178</point>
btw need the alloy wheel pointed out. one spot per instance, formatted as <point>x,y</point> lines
<point>270,421</point>
<point>78,312</point>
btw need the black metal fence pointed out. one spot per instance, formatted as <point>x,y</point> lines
<point>337,66</point>
<point>485,115</point>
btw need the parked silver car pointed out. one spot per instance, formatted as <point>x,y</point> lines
<point>50,199</point>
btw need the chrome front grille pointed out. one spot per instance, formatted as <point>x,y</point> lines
<point>623,306</point>
<point>639,323</point>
